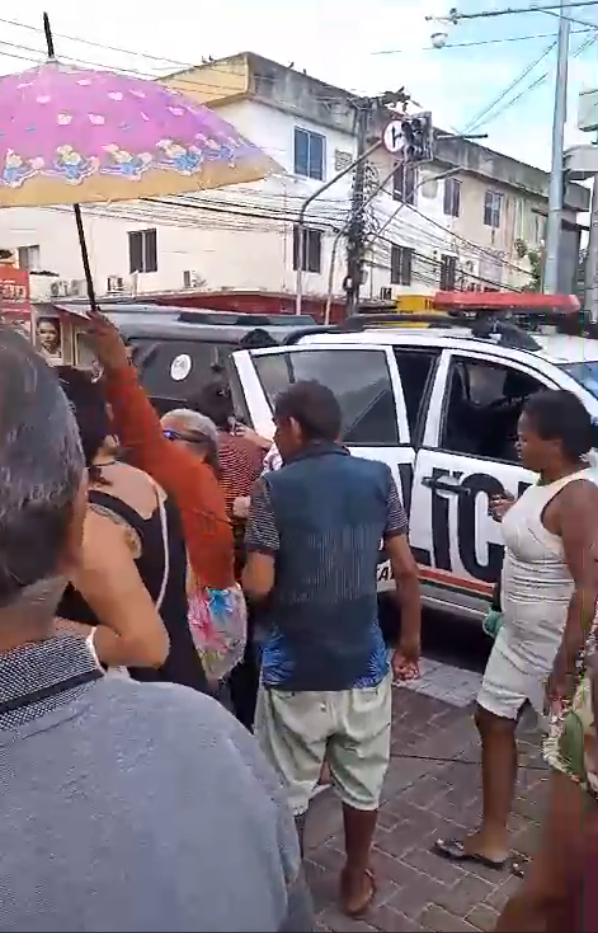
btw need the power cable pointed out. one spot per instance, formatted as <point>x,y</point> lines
<point>476,121</point>
<point>98,45</point>
<point>583,47</point>
<point>180,82</point>
<point>482,42</point>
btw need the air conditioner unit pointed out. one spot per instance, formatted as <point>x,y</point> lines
<point>116,283</point>
<point>60,288</point>
<point>77,288</point>
<point>192,279</point>
<point>386,293</point>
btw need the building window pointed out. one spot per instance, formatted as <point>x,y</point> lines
<point>539,234</point>
<point>492,206</point>
<point>312,250</point>
<point>448,273</point>
<point>401,265</point>
<point>143,251</point>
<point>309,154</point>
<point>403,183</point>
<point>29,258</point>
<point>452,197</point>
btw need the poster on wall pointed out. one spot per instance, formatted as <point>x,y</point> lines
<point>53,337</point>
<point>15,303</point>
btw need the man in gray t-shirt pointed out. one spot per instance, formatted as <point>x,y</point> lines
<point>124,806</point>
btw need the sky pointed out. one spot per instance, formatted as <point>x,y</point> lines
<point>364,47</point>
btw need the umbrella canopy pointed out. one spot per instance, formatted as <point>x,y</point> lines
<point>69,135</point>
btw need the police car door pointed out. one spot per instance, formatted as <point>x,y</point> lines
<point>366,382</point>
<point>468,455</point>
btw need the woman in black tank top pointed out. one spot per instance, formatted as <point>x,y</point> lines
<point>155,545</point>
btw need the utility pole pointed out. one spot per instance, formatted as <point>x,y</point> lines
<point>556,189</point>
<point>303,212</point>
<point>356,231</point>
<point>591,270</point>
<point>356,227</point>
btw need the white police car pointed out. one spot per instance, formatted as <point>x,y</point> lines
<point>439,402</point>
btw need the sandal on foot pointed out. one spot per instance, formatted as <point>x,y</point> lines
<point>453,850</point>
<point>363,908</point>
<point>518,865</point>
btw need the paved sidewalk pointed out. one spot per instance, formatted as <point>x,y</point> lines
<point>432,790</point>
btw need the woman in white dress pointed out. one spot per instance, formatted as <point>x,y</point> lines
<point>549,592</point>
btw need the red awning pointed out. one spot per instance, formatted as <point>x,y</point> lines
<point>506,301</point>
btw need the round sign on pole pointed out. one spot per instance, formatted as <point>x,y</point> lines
<point>394,138</point>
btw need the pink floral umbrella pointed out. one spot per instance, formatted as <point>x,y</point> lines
<point>72,136</point>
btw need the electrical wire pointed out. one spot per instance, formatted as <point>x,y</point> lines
<point>477,120</point>
<point>481,42</point>
<point>485,120</point>
<point>180,82</point>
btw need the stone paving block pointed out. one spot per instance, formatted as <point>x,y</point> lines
<point>397,841</point>
<point>462,897</point>
<point>386,919</point>
<point>503,893</point>
<point>386,866</point>
<point>441,921</point>
<point>323,885</point>
<point>426,791</point>
<point>424,821</point>
<point>483,918</point>
<point>333,919</point>
<point>438,868</point>
<point>413,899</point>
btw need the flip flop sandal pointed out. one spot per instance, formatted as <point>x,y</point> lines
<point>518,865</point>
<point>453,850</point>
<point>358,912</point>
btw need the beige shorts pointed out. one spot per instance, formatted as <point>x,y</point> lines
<point>350,729</point>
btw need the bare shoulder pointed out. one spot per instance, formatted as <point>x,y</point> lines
<point>578,495</point>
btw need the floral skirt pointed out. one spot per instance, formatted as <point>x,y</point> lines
<point>218,623</point>
<point>572,746</point>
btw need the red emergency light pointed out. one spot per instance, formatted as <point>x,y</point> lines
<point>518,302</point>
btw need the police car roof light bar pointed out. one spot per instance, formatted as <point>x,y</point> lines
<point>527,303</point>
<point>483,326</point>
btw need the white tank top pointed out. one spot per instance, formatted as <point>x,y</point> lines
<point>536,583</point>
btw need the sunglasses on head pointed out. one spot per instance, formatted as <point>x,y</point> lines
<point>171,435</point>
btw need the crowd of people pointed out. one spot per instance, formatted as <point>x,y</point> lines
<point>189,641</point>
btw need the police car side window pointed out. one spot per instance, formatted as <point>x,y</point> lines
<point>359,379</point>
<point>483,402</point>
<point>415,369</point>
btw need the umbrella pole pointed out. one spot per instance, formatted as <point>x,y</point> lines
<point>91,294</point>
<point>76,207</point>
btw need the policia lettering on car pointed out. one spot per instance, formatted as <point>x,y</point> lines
<point>467,488</point>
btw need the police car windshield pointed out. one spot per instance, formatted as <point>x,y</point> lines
<point>586,373</point>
